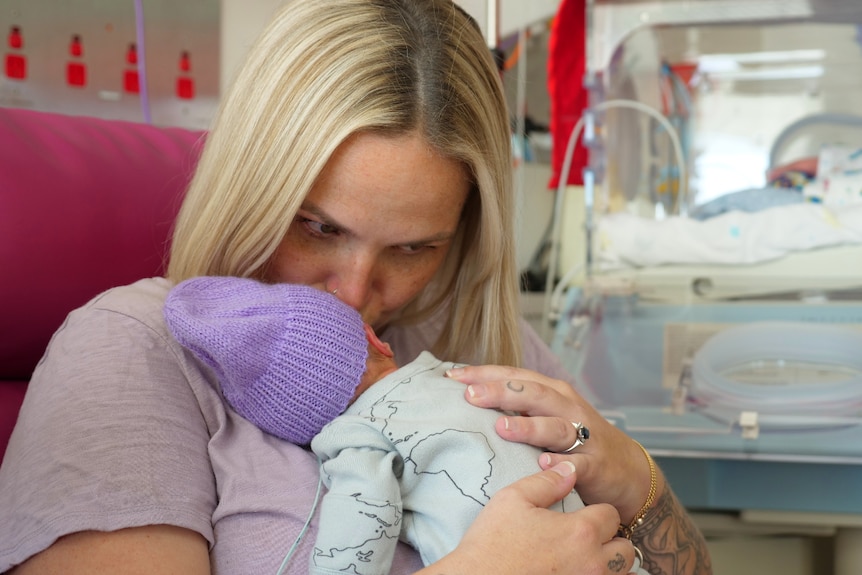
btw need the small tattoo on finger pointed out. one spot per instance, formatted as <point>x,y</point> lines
<point>518,388</point>
<point>617,564</point>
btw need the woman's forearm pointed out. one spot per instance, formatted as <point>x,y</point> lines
<point>670,542</point>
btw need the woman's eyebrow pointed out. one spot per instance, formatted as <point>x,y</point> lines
<point>325,218</point>
<point>441,237</point>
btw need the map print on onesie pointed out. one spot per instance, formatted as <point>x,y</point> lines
<point>410,459</point>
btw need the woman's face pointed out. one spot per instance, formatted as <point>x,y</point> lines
<point>377,224</point>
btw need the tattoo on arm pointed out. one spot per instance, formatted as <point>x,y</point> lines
<point>671,543</point>
<point>515,387</point>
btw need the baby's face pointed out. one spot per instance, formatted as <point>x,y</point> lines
<point>380,362</point>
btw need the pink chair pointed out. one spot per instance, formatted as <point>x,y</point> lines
<point>85,204</point>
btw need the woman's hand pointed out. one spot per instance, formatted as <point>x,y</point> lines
<point>516,534</point>
<point>611,467</point>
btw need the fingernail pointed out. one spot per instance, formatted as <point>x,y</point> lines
<point>545,459</point>
<point>453,372</point>
<point>476,390</point>
<point>511,424</point>
<point>564,468</point>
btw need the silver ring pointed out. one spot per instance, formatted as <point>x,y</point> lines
<point>639,560</point>
<point>583,434</point>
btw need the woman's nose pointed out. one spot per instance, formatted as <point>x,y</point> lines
<point>354,284</point>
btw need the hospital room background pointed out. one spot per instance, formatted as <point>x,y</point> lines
<point>698,269</point>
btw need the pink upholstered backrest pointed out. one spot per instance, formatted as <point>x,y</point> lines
<point>85,204</point>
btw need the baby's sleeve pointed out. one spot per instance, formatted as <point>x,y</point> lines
<point>361,514</point>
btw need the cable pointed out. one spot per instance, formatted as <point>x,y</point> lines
<point>778,346</point>
<point>299,537</point>
<point>681,201</point>
<point>520,138</point>
<point>557,294</point>
<point>142,61</point>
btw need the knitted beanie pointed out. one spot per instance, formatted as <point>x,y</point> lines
<point>288,357</point>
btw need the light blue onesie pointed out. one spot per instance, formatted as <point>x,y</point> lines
<point>410,459</point>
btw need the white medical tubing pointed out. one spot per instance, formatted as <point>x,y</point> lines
<point>552,296</point>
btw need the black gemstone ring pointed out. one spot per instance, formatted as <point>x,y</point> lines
<point>582,434</point>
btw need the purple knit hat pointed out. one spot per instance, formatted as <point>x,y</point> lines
<point>288,357</point>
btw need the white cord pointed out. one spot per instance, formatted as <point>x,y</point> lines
<point>560,288</point>
<point>299,537</point>
<point>143,83</point>
<point>551,306</point>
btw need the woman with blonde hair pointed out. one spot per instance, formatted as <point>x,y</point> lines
<point>362,150</point>
<point>265,152</point>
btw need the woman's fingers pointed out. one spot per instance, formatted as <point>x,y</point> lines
<point>594,527</point>
<point>517,389</point>
<point>534,488</point>
<point>543,411</point>
<point>512,377</point>
<point>551,433</point>
<point>524,395</point>
<point>517,534</point>
<point>553,405</point>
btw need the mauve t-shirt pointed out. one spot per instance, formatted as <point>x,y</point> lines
<point>122,428</point>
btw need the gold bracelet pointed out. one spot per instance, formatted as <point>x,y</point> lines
<point>627,530</point>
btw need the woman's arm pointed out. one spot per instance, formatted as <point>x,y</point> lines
<point>514,535</point>
<point>150,550</point>
<point>111,436</point>
<point>612,468</point>
<point>667,521</point>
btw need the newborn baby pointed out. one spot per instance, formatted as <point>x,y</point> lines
<point>409,459</point>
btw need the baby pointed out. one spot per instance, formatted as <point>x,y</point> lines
<point>402,453</point>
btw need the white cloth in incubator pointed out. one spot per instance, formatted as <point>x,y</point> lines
<point>624,240</point>
<point>839,177</point>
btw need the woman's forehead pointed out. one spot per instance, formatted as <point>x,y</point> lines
<point>398,177</point>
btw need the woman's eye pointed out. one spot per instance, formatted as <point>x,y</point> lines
<point>414,249</point>
<point>319,228</point>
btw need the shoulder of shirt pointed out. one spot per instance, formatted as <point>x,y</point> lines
<point>143,300</point>
<point>138,307</point>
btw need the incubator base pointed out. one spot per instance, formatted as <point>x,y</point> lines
<point>631,358</point>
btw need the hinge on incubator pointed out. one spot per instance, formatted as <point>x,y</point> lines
<point>680,392</point>
<point>749,425</point>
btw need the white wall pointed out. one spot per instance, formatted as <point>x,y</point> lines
<point>242,20</point>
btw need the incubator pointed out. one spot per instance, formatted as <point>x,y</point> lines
<point>708,294</point>
<point>699,101</point>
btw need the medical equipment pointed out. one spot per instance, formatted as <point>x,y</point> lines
<point>153,62</point>
<point>635,62</point>
<point>773,368</point>
<point>752,381</point>
<point>671,370</point>
<point>742,378</point>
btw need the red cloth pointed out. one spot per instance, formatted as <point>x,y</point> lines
<point>566,69</point>
<point>85,205</point>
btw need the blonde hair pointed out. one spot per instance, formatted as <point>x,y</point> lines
<point>323,70</point>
